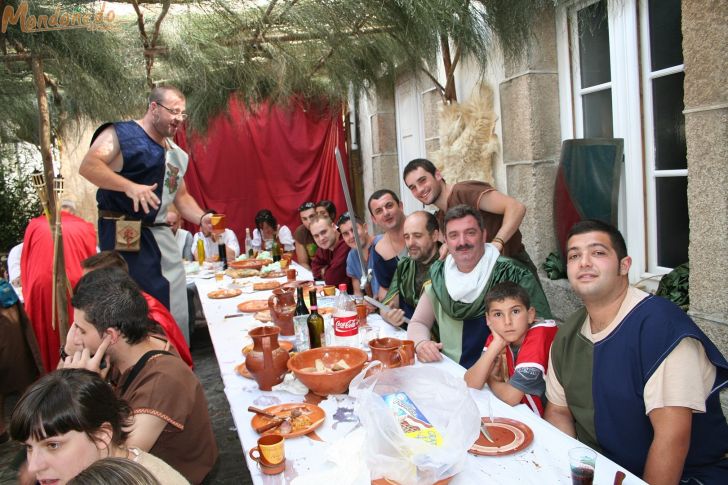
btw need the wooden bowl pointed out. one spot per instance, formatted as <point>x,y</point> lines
<point>332,382</point>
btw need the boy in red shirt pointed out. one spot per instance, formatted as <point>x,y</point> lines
<point>516,354</point>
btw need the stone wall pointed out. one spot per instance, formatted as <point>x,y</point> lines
<point>378,145</point>
<point>705,36</point>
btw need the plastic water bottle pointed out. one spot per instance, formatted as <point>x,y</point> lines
<point>346,323</point>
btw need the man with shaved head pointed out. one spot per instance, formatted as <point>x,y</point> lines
<point>421,236</point>
<point>139,172</point>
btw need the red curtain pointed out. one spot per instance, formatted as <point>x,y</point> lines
<point>274,158</point>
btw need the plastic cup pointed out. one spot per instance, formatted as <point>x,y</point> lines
<point>582,462</point>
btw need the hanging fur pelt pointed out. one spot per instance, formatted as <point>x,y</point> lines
<point>468,143</point>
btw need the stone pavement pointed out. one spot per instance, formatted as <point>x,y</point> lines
<point>231,467</point>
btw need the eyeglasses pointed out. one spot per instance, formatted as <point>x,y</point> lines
<point>306,206</point>
<point>175,113</point>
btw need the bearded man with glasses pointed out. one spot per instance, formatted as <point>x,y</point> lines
<point>139,171</point>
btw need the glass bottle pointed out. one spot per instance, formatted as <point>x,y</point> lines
<point>276,250</point>
<point>200,251</point>
<point>301,303</point>
<point>300,323</point>
<point>315,324</point>
<point>249,243</point>
<point>223,255</point>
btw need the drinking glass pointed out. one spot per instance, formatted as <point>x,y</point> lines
<point>582,461</point>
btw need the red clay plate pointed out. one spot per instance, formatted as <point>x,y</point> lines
<point>224,293</point>
<point>510,436</point>
<point>315,414</point>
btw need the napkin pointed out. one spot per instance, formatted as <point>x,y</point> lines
<point>292,385</point>
<point>344,458</point>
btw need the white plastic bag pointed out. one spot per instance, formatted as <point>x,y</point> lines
<point>445,402</point>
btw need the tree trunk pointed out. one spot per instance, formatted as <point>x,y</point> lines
<point>60,287</point>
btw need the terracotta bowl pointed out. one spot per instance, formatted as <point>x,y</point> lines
<point>334,382</point>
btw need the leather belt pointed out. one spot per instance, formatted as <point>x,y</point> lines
<point>116,216</point>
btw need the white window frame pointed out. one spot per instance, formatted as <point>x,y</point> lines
<point>651,173</point>
<point>626,112</point>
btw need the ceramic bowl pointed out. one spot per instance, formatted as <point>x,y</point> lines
<point>331,382</point>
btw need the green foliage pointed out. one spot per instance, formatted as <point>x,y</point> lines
<point>322,48</point>
<point>18,200</point>
<point>675,286</point>
<point>554,267</point>
<point>94,73</point>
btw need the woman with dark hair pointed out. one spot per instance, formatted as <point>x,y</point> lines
<point>71,418</point>
<point>266,227</point>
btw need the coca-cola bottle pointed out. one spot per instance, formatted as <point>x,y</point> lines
<point>346,324</point>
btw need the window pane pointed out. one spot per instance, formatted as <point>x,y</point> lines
<point>594,45</point>
<point>597,109</point>
<point>669,121</point>
<point>665,34</point>
<point>672,221</point>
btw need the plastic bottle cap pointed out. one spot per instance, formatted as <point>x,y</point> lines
<point>343,287</point>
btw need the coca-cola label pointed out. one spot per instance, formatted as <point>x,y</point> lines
<point>346,325</point>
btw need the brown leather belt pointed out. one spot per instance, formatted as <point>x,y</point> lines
<point>104,214</point>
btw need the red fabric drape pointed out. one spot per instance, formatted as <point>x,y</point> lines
<point>274,158</point>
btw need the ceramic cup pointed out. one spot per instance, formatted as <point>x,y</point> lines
<point>409,350</point>
<point>329,290</point>
<point>269,453</point>
<point>389,351</point>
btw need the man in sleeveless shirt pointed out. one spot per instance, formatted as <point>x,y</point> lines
<point>631,375</point>
<point>140,171</point>
<point>388,213</point>
<point>502,215</point>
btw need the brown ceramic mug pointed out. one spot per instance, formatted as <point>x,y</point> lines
<point>389,351</point>
<point>270,454</point>
<point>409,349</point>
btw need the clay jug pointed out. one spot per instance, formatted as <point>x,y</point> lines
<point>282,305</point>
<point>267,362</point>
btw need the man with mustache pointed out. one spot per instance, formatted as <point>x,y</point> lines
<point>387,211</point>
<point>502,215</point>
<point>421,236</point>
<point>631,375</point>
<point>140,171</point>
<point>455,296</point>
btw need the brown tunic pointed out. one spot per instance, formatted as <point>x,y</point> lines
<point>20,362</point>
<point>168,389</point>
<point>304,237</point>
<point>469,193</point>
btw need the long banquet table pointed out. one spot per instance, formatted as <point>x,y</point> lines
<point>544,461</point>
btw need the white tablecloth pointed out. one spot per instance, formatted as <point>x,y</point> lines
<point>544,461</point>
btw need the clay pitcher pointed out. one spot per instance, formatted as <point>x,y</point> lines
<point>389,351</point>
<point>267,362</point>
<point>282,305</point>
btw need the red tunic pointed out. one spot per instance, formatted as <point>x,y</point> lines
<point>161,315</point>
<point>36,263</point>
<point>534,353</point>
<point>335,263</point>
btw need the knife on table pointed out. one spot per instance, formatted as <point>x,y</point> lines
<point>486,433</point>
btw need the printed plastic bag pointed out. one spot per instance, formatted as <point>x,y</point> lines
<point>445,402</point>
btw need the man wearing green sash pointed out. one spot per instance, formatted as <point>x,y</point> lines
<point>421,236</point>
<point>455,296</point>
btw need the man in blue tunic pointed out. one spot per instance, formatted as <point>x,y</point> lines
<point>140,171</point>
<point>631,375</point>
